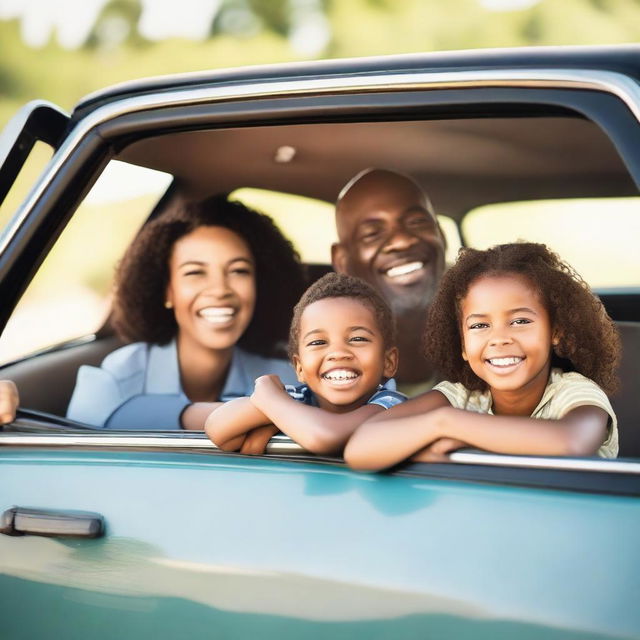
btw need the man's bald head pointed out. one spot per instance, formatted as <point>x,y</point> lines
<point>369,184</point>
<point>389,236</point>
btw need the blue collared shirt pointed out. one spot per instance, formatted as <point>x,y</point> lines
<point>385,395</point>
<point>138,386</point>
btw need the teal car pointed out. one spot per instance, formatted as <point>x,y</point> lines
<point>156,533</point>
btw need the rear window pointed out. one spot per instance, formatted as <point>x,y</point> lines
<point>598,237</point>
<point>310,223</point>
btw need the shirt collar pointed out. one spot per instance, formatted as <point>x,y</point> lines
<point>163,371</point>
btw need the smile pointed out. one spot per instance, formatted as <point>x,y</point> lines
<point>505,362</point>
<point>404,269</point>
<point>340,377</point>
<point>217,315</point>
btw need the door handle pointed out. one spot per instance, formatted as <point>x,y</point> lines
<point>19,521</point>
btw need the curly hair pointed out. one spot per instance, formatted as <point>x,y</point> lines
<point>589,341</point>
<point>143,274</point>
<point>339,285</point>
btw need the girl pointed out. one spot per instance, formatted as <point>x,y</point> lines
<point>516,333</point>
<point>202,296</point>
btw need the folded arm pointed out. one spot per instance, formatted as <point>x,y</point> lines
<point>230,423</point>
<point>317,430</point>
<point>385,442</point>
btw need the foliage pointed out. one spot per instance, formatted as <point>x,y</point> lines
<point>259,31</point>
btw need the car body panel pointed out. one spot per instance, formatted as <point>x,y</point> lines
<point>352,550</point>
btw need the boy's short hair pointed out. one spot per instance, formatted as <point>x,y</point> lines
<point>339,285</point>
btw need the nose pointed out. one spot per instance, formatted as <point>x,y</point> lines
<point>218,284</point>
<point>339,353</point>
<point>400,239</point>
<point>500,338</point>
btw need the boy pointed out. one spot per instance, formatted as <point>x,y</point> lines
<point>341,344</point>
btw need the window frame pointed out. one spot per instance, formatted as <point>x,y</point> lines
<point>371,96</point>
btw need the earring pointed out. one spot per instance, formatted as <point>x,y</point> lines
<point>168,304</point>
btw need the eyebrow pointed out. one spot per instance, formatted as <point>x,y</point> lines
<point>354,328</point>
<point>417,208</point>
<point>202,263</point>
<point>360,328</point>
<point>510,312</point>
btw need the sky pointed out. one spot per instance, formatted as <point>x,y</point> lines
<point>71,20</point>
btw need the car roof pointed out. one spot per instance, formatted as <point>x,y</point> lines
<point>619,58</point>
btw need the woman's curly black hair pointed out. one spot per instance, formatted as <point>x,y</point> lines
<point>589,341</point>
<point>143,274</point>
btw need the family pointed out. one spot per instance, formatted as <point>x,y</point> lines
<point>390,358</point>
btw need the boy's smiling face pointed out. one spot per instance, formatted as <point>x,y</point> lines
<point>341,353</point>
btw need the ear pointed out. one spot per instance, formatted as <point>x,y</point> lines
<point>298,368</point>
<point>464,355</point>
<point>390,362</point>
<point>339,257</point>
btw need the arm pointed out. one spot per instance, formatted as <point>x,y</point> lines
<point>315,429</point>
<point>8,401</point>
<point>194,415</point>
<point>228,425</point>
<point>383,444</point>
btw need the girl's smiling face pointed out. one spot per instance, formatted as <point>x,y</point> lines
<point>507,336</point>
<point>341,353</point>
<point>211,287</point>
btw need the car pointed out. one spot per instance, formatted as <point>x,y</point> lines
<point>159,534</point>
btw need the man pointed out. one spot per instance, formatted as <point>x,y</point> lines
<point>389,236</point>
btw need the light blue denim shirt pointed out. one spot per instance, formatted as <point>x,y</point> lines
<point>138,386</point>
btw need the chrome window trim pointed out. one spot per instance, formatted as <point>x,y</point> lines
<point>282,445</point>
<point>623,87</point>
<point>145,440</point>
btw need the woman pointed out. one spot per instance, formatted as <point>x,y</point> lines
<point>205,295</point>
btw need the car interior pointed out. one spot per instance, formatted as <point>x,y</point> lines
<point>464,164</point>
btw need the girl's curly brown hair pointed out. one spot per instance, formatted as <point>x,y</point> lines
<point>589,340</point>
<point>143,274</point>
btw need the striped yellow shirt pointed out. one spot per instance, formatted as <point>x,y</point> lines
<point>565,391</point>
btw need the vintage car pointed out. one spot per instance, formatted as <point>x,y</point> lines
<point>109,534</point>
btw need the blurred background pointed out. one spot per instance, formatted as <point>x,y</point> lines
<point>62,50</point>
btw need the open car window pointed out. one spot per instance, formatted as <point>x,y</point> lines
<point>310,223</point>
<point>466,162</point>
<point>70,295</point>
<point>596,236</point>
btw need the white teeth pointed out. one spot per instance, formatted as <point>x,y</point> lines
<point>504,362</point>
<point>217,315</point>
<point>404,269</point>
<point>340,376</point>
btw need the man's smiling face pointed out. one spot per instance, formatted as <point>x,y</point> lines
<point>390,237</point>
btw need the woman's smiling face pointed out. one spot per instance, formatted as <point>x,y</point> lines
<point>211,287</point>
<point>506,334</point>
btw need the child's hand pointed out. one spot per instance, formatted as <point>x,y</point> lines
<point>8,401</point>
<point>257,439</point>
<point>437,451</point>
<point>265,388</point>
